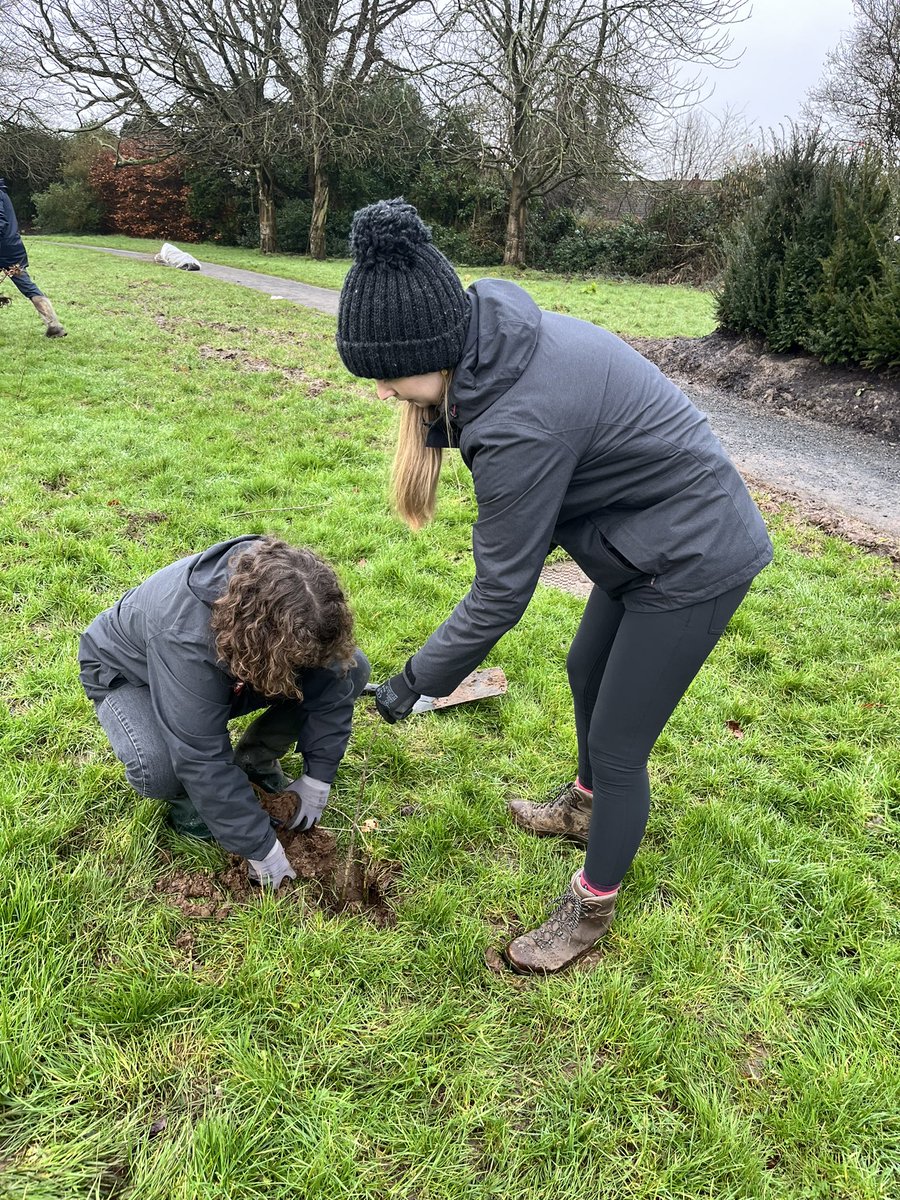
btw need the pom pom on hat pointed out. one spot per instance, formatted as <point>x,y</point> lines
<point>389,232</point>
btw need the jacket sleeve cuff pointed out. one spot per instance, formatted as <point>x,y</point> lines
<point>322,769</point>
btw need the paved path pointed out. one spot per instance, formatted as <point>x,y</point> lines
<point>827,470</point>
<point>324,299</point>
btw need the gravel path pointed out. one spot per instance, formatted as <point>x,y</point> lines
<point>845,481</point>
<point>823,469</point>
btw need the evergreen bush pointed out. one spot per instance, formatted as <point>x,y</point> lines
<point>812,264</point>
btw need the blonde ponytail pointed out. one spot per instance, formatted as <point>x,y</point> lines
<point>417,467</point>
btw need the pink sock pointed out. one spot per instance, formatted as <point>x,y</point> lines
<point>579,784</point>
<point>595,891</point>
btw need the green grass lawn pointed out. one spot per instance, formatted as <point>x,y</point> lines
<point>627,308</point>
<point>739,1038</point>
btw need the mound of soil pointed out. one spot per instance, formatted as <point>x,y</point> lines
<point>846,396</point>
<point>344,883</point>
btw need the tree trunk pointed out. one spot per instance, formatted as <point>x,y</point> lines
<point>268,235</point>
<point>320,205</point>
<point>514,249</point>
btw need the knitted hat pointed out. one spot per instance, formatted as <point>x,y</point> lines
<point>403,310</point>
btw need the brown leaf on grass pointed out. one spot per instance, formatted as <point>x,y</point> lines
<point>735,728</point>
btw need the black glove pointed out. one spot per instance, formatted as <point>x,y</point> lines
<point>395,699</point>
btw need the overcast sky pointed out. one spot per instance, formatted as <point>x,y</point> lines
<point>784,45</point>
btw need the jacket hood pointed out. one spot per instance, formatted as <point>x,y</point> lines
<point>209,574</point>
<point>503,332</point>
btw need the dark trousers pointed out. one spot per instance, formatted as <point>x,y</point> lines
<point>627,671</point>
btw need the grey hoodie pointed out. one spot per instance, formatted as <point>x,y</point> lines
<point>575,440</point>
<point>159,635</point>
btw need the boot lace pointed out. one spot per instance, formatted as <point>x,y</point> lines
<point>564,797</point>
<point>567,911</point>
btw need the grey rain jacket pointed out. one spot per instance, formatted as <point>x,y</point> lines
<point>575,440</point>
<point>159,635</point>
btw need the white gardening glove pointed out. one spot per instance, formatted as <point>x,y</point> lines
<point>272,870</point>
<point>312,796</point>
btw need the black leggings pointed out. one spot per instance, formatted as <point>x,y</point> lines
<point>627,671</point>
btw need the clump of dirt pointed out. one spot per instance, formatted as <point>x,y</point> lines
<point>344,883</point>
<point>796,382</point>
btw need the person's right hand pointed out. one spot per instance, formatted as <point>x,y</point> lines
<point>272,870</point>
<point>396,698</point>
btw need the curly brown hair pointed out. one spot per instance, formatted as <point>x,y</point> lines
<point>283,612</point>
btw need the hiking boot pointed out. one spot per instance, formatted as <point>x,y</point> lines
<point>53,327</point>
<point>578,921</point>
<point>567,814</point>
<point>269,776</point>
<point>185,819</point>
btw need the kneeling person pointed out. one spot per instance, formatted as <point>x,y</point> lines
<point>247,624</point>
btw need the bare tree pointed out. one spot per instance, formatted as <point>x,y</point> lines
<point>331,64</point>
<point>240,83</point>
<point>555,85</point>
<point>197,76</point>
<point>20,83</point>
<point>698,144</point>
<point>860,93</point>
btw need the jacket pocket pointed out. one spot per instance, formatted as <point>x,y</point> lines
<point>597,557</point>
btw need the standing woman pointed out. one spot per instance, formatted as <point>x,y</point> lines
<point>573,440</point>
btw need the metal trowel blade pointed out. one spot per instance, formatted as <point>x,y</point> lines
<point>489,681</point>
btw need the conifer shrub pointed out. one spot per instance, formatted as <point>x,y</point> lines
<point>812,264</point>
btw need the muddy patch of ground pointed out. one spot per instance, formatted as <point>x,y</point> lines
<point>137,522</point>
<point>241,359</point>
<point>246,362</point>
<point>845,396</point>
<point>344,882</point>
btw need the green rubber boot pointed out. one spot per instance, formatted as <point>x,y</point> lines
<point>185,819</point>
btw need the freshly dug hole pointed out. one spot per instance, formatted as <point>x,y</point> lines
<point>358,886</point>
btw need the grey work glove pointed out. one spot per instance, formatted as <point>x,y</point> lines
<point>272,870</point>
<point>312,796</point>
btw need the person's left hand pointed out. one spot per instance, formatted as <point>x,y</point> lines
<point>396,698</point>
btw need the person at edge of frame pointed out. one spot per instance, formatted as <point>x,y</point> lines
<point>573,440</point>
<point>14,263</point>
<point>246,624</point>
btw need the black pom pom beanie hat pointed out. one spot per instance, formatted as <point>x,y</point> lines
<point>402,310</point>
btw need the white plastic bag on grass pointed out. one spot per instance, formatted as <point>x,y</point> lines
<point>171,256</point>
